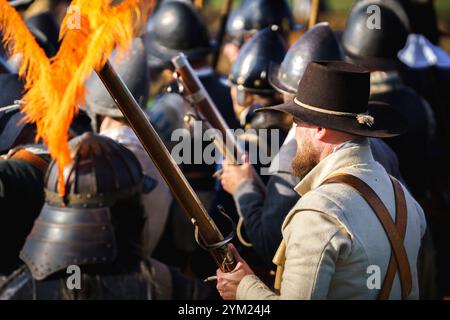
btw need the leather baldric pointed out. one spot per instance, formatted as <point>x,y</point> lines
<point>395,231</point>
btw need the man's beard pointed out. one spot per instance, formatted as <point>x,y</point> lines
<point>305,159</point>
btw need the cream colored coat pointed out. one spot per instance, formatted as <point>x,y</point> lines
<point>333,237</point>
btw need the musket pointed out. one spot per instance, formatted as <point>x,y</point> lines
<point>208,111</point>
<point>206,230</point>
<point>222,28</point>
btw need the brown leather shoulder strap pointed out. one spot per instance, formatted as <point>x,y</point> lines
<point>394,235</point>
<point>400,223</point>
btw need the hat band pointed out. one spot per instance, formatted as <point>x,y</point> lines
<point>362,118</point>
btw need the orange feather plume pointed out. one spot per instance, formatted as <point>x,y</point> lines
<point>56,88</point>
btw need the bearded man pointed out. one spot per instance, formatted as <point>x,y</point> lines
<point>353,217</point>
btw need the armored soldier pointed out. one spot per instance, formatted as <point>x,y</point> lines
<point>250,87</point>
<point>177,27</point>
<point>377,50</point>
<point>264,215</point>
<point>252,16</point>
<point>96,225</point>
<point>250,90</point>
<point>109,121</point>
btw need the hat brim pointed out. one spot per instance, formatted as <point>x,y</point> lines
<point>276,83</point>
<point>388,123</point>
<point>372,63</point>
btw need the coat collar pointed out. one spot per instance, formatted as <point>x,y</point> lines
<point>349,154</point>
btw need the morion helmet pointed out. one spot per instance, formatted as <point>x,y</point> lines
<point>83,226</point>
<point>319,43</point>
<point>376,48</point>
<point>132,69</point>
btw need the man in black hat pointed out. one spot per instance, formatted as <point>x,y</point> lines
<point>340,240</point>
<point>264,214</point>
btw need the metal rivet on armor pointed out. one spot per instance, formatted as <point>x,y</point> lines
<point>263,74</point>
<point>257,83</point>
<point>241,80</point>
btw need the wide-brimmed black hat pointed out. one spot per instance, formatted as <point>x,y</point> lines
<point>335,95</point>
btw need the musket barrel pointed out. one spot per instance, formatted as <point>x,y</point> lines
<point>183,192</point>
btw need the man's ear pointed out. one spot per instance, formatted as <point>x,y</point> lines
<point>321,133</point>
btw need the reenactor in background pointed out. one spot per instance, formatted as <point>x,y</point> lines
<point>96,226</point>
<point>23,164</point>
<point>109,121</point>
<point>377,50</point>
<point>177,27</point>
<point>249,77</point>
<point>249,17</point>
<point>251,90</point>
